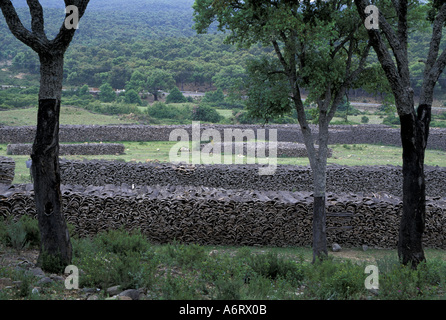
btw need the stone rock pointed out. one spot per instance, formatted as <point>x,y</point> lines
<point>365,247</point>
<point>213,253</point>
<point>37,272</point>
<point>133,294</point>
<point>93,297</point>
<point>89,290</point>
<point>5,282</point>
<point>336,247</point>
<point>45,280</point>
<point>112,291</point>
<point>57,278</point>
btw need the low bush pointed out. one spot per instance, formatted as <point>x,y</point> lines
<point>113,258</point>
<point>183,255</point>
<point>391,119</point>
<point>161,110</point>
<point>21,234</point>
<point>122,242</point>
<point>271,266</point>
<point>206,113</point>
<point>333,280</point>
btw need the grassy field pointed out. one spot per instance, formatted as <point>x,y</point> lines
<point>68,115</point>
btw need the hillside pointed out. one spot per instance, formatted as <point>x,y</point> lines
<point>115,40</point>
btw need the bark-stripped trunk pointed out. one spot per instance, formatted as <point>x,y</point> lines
<point>55,240</point>
<point>55,249</point>
<point>414,135</point>
<point>414,125</point>
<point>320,181</point>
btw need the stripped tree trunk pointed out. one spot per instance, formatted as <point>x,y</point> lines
<point>55,249</point>
<point>414,135</point>
<point>414,124</point>
<point>55,240</point>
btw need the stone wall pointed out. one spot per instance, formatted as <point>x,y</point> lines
<point>7,170</point>
<point>260,149</point>
<point>72,149</point>
<point>286,177</point>
<point>371,134</point>
<point>213,216</point>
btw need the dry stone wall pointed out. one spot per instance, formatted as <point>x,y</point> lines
<point>7,170</point>
<point>72,149</point>
<point>260,149</point>
<point>215,216</point>
<point>286,177</point>
<point>373,134</point>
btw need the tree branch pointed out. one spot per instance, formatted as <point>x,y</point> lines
<point>398,43</point>
<point>398,85</point>
<point>64,37</point>
<point>434,66</point>
<point>17,28</point>
<point>37,20</point>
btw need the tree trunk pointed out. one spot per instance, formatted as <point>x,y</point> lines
<point>319,214</point>
<point>55,248</point>
<point>414,135</point>
<point>319,229</point>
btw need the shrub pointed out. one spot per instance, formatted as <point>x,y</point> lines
<point>107,93</point>
<point>114,258</point>
<point>271,266</point>
<point>20,234</point>
<point>228,289</point>
<point>175,96</point>
<point>122,242</point>
<point>17,235</point>
<point>51,263</point>
<point>31,227</point>
<point>397,281</point>
<point>245,118</point>
<point>4,239</point>
<point>391,119</point>
<point>132,96</point>
<point>178,288</point>
<point>184,255</point>
<point>214,96</point>
<point>161,110</point>
<point>365,119</point>
<point>328,279</point>
<point>206,113</point>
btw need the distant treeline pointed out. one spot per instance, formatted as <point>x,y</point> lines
<point>115,40</point>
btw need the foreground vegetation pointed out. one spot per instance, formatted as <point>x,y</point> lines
<point>193,272</point>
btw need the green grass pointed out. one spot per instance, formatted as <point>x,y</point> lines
<point>225,113</point>
<point>68,115</point>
